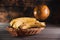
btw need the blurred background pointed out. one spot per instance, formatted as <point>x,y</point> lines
<point>10,9</point>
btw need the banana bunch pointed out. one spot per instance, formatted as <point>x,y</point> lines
<point>26,23</point>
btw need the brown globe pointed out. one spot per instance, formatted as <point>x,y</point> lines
<point>41,12</point>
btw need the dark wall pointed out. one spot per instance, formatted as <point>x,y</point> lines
<point>18,8</point>
<point>54,17</point>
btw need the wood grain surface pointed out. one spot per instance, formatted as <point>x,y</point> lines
<point>51,32</point>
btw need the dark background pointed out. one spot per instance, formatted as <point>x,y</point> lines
<point>10,9</point>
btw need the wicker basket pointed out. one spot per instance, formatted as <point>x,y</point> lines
<point>24,32</point>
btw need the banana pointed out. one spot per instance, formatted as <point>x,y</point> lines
<point>17,24</point>
<point>43,24</point>
<point>40,24</point>
<point>25,19</point>
<point>26,23</point>
<point>34,24</point>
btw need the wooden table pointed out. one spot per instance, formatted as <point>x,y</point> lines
<point>51,32</point>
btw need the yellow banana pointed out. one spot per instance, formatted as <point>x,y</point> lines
<point>26,23</point>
